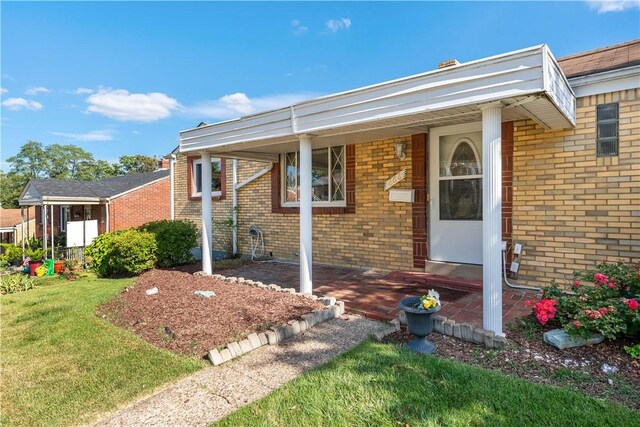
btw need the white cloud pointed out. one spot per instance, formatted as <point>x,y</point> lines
<point>604,6</point>
<point>17,104</point>
<point>335,25</point>
<point>298,28</point>
<point>82,91</point>
<point>140,107</point>
<point>94,135</point>
<point>239,104</point>
<point>36,90</point>
<point>3,90</point>
<point>136,132</point>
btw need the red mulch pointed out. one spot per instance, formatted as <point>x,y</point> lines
<point>182,322</point>
<point>528,357</point>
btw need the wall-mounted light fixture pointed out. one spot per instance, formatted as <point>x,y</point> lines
<point>400,154</point>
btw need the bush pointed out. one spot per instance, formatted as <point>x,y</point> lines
<point>10,284</point>
<point>122,253</point>
<point>175,239</point>
<point>607,303</point>
<point>11,253</point>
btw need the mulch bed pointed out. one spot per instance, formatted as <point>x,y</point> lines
<point>526,356</point>
<point>182,322</point>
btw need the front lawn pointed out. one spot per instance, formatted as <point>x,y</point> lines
<point>385,385</point>
<point>63,365</point>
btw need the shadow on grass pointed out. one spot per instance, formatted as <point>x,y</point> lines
<point>382,384</point>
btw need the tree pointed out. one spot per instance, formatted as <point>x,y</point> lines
<point>68,161</point>
<point>11,185</point>
<point>136,164</point>
<point>30,161</point>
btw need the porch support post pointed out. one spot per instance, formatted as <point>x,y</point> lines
<point>306,220</point>
<point>22,229</point>
<point>492,218</point>
<point>234,213</point>
<point>207,264</point>
<point>44,228</point>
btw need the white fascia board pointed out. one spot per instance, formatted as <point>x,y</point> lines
<point>557,87</point>
<point>518,73</point>
<point>606,82</point>
<point>70,200</point>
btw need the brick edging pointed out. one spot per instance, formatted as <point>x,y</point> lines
<point>466,332</point>
<point>276,334</point>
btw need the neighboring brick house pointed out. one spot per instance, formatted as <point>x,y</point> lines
<point>115,203</point>
<point>569,163</point>
<point>13,222</point>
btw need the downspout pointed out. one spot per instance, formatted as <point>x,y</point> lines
<point>237,186</point>
<point>172,163</point>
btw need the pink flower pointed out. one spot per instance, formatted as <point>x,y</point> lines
<point>576,324</point>
<point>600,279</point>
<point>633,304</point>
<point>603,310</point>
<point>576,283</point>
<point>612,285</point>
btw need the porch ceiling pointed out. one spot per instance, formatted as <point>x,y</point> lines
<point>528,83</point>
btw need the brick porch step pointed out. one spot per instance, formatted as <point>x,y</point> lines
<point>428,279</point>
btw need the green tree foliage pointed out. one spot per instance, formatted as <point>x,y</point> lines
<point>67,162</point>
<point>136,164</point>
<point>11,185</point>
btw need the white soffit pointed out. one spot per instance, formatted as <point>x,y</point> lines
<point>609,81</point>
<point>530,80</point>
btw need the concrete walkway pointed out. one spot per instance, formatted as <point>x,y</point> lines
<point>213,393</point>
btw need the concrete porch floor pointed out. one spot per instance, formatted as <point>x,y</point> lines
<point>376,295</point>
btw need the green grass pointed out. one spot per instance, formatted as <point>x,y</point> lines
<point>62,364</point>
<point>385,385</point>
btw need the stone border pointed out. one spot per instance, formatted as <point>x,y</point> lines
<point>464,331</point>
<point>276,334</point>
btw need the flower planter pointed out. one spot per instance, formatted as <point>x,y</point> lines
<point>420,324</point>
<point>58,266</point>
<point>32,267</point>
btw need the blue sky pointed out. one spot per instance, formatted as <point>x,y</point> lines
<point>125,78</point>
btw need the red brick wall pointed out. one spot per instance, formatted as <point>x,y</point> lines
<point>419,162</point>
<point>149,203</point>
<point>507,186</point>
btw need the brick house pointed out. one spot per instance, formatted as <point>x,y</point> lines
<point>431,173</point>
<point>110,204</point>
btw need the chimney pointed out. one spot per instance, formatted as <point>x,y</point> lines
<point>165,164</point>
<point>448,63</point>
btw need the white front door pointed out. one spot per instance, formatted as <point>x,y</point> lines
<point>455,185</point>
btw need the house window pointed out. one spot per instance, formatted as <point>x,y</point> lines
<point>216,178</point>
<point>607,130</point>
<point>64,217</point>
<point>327,177</point>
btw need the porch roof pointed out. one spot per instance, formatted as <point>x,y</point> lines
<point>528,82</point>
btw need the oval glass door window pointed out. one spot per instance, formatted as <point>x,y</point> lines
<point>460,181</point>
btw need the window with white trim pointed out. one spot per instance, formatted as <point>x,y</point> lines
<point>328,176</point>
<point>216,178</point>
<point>64,217</point>
<point>607,130</point>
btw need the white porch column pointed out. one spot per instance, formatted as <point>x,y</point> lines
<point>492,218</point>
<point>207,264</point>
<point>234,213</point>
<point>306,220</point>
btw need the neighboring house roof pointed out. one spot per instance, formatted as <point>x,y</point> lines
<point>38,189</point>
<point>600,60</point>
<point>12,217</point>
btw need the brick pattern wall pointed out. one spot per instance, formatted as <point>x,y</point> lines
<point>570,208</point>
<point>419,211</point>
<point>149,203</point>
<point>507,187</point>
<point>378,234</point>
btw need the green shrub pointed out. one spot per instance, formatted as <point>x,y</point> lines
<point>35,253</point>
<point>12,283</point>
<point>175,239</point>
<point>11,253</point>
<point>122,253</point>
